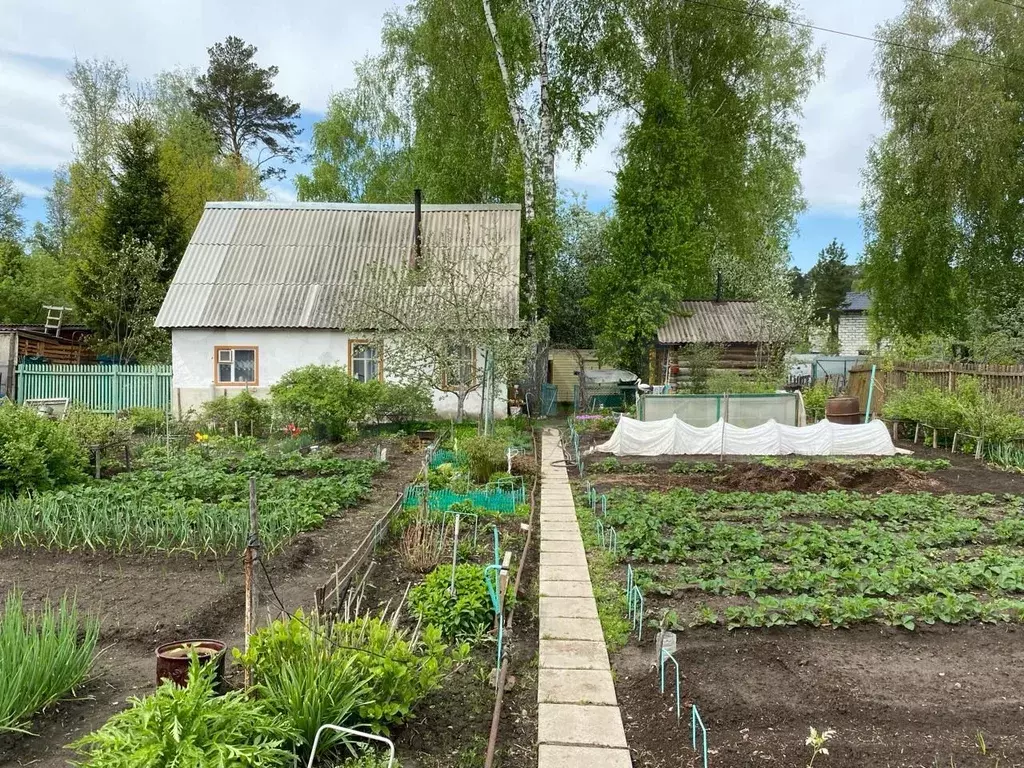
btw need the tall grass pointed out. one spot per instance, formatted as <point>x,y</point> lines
<point>43,655</point>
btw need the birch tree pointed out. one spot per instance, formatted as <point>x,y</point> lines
<point>449,322</point>
<point>944,184</point>
<point>549,98</point>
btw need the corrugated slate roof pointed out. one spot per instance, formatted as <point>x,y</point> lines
<point>299,265</point>
<point>712,322</point>
<point>857,301</point>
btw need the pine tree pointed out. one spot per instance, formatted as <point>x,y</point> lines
<point>138,207</point>
<point>236,97</point>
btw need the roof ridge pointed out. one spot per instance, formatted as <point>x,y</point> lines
<point>269,205</point>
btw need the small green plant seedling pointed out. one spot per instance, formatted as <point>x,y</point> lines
<point>816,741</point>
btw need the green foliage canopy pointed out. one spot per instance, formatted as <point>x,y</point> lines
<point>944,221</point>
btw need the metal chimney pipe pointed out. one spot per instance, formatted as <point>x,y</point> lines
<point>718,289</point>
<point>417,230</point>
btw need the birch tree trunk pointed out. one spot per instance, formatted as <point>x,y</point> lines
<point>542,27</point>
<point>522,132</point>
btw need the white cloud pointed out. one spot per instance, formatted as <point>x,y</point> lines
<point>28,189</point>
<point>316,45</point>
<point>842,112</point>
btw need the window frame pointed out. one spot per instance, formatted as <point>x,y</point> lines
<point>447,387</point>
<point>233,348</point>
<point>352,344</point>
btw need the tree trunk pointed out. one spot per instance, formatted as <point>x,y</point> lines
<point>460,405</point>
<point>518,115</point>
<point>547,148</point>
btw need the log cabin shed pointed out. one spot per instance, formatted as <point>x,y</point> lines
<point>732,326</point>
<point>265,287</point>
<point>64,345</point>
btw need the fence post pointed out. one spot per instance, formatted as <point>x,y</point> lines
<point>252,556</point>
<point>115,390</point>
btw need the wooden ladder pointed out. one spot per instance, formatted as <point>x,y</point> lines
<point>54,319</point>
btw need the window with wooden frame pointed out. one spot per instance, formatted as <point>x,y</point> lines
<point>364,361</point>
<point>461,369</point>
<point>236,366</point>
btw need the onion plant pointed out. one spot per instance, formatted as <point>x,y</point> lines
<point>44,654</point>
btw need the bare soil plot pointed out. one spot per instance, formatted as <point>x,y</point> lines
<point>941,695</point>
<point>145,600</point>
<point>451,726</point>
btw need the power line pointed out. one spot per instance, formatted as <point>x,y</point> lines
<point>868,38</point>
<point>1012,5</point>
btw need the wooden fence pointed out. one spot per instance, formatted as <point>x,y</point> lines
<point>106,388</point>
<point>993,378</point>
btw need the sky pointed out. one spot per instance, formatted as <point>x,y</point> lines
<point>316,44</point>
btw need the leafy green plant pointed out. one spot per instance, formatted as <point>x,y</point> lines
<point>147,421</point>
<point>697,468</point>
<point>191,726</point>
<point>402,403</point>
<point>191,502</point>
<point>968,409</point>
<point>816,397</point>
<point>92,428</point>
<point>36,454</point>
<point>829,559</point>
<point>463,615</point>
<point>325,399</point>
<point>484,456</point>
<point>399,669</point>
<point>43,655</point>
<point>251,415</point>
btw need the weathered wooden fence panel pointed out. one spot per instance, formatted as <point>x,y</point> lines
<point>993,378</point>
<point>106,388</point>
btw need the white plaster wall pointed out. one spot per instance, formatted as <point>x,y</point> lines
<point>853,334</point>
<point>280,350</point>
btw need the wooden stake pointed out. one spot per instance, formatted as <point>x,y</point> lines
<point>99,460</point>
<point>252,557</point>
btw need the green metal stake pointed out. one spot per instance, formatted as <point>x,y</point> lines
<point>694,721</point>
<point>871,394</point>
<point>666,655</point>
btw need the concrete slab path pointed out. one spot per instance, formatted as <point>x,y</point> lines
<point>579,724</point>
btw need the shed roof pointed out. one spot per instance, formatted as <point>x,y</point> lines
<point>301,265</point>
<point>712,322</point>
<point>857,301</point>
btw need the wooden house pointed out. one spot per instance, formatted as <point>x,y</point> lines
<point>731,327</point>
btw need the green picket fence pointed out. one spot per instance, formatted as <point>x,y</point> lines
<point>106,388</point>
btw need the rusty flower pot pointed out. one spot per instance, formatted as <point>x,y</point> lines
<point>173,660</point>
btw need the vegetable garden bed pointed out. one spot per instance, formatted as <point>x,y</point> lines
<point>146,589</point>
<point>892,617</point>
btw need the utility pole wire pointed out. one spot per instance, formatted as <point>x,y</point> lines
<point>868,38</point>
<point>1012,5</point>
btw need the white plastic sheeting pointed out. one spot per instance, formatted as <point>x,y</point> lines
<point>675,437</point>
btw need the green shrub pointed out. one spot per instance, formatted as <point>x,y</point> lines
<point>43,655</point>
<point>364,672</point>
<point>968,409</point>
<point>92,428</point>
<point>732,383</point>
<point>147,421</point>
<point>465,615</point>
<point>485,456</point>
<point>37,454</point>
<point>250,413</point>
<point>191,726</point>
<point>402,403</point>
<point>325,400</point>
<point>816,397</point>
